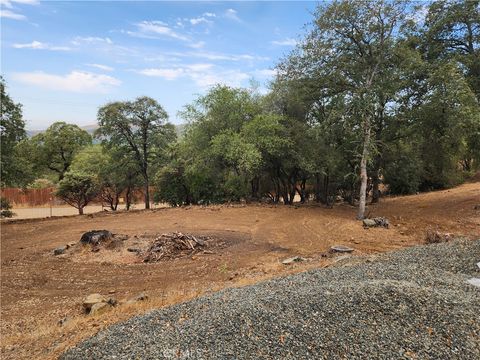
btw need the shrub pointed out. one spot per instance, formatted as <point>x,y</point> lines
<point>77,190</point>
<point>5,207</point>
<point>41,183</point>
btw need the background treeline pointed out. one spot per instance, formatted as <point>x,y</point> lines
<point>375,98</point>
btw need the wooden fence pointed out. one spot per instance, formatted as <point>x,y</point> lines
<point>30,197</point>
<point>46,197</point>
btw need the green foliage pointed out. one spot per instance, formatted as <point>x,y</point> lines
<point>446,118</point>
<point>5,207</point>
<point>41,183</point>
<point>403,170</point>
<point>139,130</point>
<point>370,95</point>
<point>113,170</point>
<point>53,150</point>
<point>171,186</point>
<point>77,189</point>
<point>12,131</point>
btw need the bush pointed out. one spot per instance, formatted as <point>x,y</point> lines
<point>170,187</point>
<point>403,171</point>
<point>77,190</point>
<point>41,183</point>
<point>5,207</point>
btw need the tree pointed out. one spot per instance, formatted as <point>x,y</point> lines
<point>347,57</point>
<point>77,189</point>
<point>115,172</point>
<point>447,120</point>
<point>452,31</point>
<point>12,131</point>
<point>139,127</point>
<point>55,148</point>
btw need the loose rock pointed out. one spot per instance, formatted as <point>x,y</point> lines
<point>141,297</point>
<point>99,308</point>
<point>376,222</point>
<point>474,282</point>
<point>95,237</point>
<point>293,260</point>
<point>368,223</point>
<point>59,250</point>
<point>341,249</point>
<point>93,299</point>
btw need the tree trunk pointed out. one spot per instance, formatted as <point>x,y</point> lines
<point>80,210</point>
<point>127,198</point>
<point>375,186</point>
<point>363,172</point>
<point>147,193</point>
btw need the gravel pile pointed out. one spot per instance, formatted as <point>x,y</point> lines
<point>414,303</point>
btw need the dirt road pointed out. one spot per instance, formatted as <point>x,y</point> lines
<point>39,289</point>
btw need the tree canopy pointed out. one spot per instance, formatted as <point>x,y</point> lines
<point>12,131</point>
<point>373,100</point>
<point>138,127</point>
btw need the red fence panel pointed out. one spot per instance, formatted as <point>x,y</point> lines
<point>43,197</point>
<point>30,197</point>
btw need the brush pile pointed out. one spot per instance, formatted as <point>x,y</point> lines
<point>435,237</point>
<point>174,245</point>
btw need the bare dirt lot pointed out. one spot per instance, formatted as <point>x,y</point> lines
<point>41,294</point>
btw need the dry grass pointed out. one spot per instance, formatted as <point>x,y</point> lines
<point>39,289</point>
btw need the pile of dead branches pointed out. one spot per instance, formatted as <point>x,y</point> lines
<point>174,245</point>
<point>436,237</point>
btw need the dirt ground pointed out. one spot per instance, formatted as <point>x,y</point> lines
<point>41,294</point>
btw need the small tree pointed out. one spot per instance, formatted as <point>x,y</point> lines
<point>77,190</point>
<point>5,207</point>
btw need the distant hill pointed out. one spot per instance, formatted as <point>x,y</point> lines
<point>91,129</point>
<point>88,128</point>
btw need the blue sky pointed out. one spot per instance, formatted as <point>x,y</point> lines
<point>62,60</point>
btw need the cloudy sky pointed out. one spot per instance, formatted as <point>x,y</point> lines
<point>62,60</point>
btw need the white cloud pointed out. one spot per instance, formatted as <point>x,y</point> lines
<point>11,15</point>
<point>168,74</point>
<point>91,40</point>
<point>199,20</point>
<point>220,57</point>
<point>265,73</point>
<point>37,45</point>
<point>202,74</point>
<point>232,15</point>
<point>199,67</point>
<point>197,45</point>
<point>76,81</point>
<point>285,42</point>
<point>101,67</point>
<point>209,14</point>
<point>149,28</point>
<point>8,3</point>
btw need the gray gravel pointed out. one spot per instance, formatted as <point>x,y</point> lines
<point>414,303</point>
